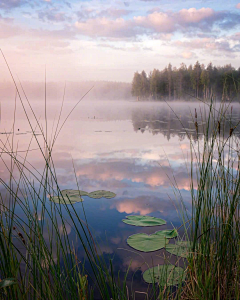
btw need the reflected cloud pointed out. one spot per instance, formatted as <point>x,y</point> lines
<point>125,173</point>
<point>144,205</point>
<point>65,229</point>
<point>116,240</point>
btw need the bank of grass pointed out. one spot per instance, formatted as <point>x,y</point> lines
<point>213,270</point>
<point>36,250</point>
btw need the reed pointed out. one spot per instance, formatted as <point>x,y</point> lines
<point>213,264</point>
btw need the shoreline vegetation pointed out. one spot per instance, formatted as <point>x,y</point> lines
<point>39,261</point>
<point>185,83</point>
<point>188,82</point>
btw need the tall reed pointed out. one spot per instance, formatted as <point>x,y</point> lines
<point>214,265</point>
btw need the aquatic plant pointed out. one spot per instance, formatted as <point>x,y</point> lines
<point>146,243</point>
<point>180,248</point>
<point>144,221</point>
<point>164,275</point>
<point>74,196</point>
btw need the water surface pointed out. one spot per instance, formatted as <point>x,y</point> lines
<point>138,150</point>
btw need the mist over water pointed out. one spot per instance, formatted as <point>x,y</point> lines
<point>71,91</point>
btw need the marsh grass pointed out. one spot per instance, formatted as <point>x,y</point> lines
<point>213,264</point>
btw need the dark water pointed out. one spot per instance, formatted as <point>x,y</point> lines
<point>136,150</point>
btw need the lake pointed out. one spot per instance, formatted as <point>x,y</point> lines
<point>138,150</point>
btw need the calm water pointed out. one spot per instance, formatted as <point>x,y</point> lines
<point>133,149</point>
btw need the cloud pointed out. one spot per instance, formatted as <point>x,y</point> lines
<point>103,27</point>
<point>158,21</point>
<point>235,36</point>
<point>113,13</point>
<point>138,205</point>
<point>238,6</point>
<point>53,15</point>
<point>182,20</point>
<point>8,4</point>
<point>126,48</point>
<point>228,20</point>
<point>188,55</point>
<point>110,23</point>
<point>144,205</point>
<point>8,29</point>
<point>91,13</point>
<point>44,44</point>
<point>66,33</point>
<point>153,176</point>
<point>207,44</point>
<point>193,15</point>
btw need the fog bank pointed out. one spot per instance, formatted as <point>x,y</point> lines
<point>98,90</point>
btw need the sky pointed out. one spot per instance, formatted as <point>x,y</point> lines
<point>110,40</point>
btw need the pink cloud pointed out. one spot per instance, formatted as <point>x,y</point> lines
<point>160,22</point>
<point>236,36</point>
<point>193,15</point>
<point>238,6</point>
<point>43,44</point>
<point>206,44</point>
<point>154,22</point>
<point>144,205</point>
<point>188,55</point>
<point>106,27</point>
<point>8,29</point>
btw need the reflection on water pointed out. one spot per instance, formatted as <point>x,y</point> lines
<point>136,150</point>
<point>179,120</point>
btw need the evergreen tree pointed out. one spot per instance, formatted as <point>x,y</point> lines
<point>169,80</point>
<point>195,76</point>
<point>187,82</point>
<point>136,85</point>
<point>145,87</point>
<point>205,82</point>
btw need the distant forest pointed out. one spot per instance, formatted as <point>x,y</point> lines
<point>184,83</point>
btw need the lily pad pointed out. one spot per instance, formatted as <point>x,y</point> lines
<point>147,243</point>
<point>143,221</point>
<point>164,275</point>
<point>7,282</point>
<point>101,194</point>
<point>181,248</point>
<point>69,197</point>
<point>169,234</point>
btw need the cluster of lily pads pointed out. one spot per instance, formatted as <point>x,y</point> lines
<point>74,196</point>
<point>156,241</point>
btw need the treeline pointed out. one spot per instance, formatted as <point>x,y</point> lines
<point>187,82</point>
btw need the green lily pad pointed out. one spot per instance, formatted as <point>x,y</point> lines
<point>169,234</point>
<point>101,194</point>
<point>147,243</point>
<point>143,221</point>
<point>7,282</point>
<point>164,275</point>
<point>69,197</point>
<point>181,248</point>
